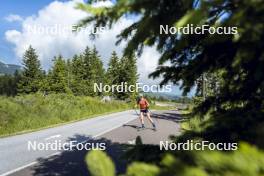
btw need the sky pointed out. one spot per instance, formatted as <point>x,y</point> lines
<point>19,18</point>
<point>16,7</point>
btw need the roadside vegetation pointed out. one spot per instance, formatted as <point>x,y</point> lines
<point>24,113</point>
<point>31,112</point>
<point>158,107</point>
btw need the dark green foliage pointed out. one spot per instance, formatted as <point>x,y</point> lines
<point>87,69</point>
<point>77,75</point>
<point>8,84</point>
<point>58,76</point>
<point>238,57</point>
<point>76,72</point>
<point>122,70</point>
<point>89,72</point>
<point>129,73</point>
<point>235,106</point>
<point>31,74</point>
<point>113,71</point>
<point>97,70</point>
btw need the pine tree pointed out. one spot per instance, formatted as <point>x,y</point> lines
<point>98,72</point>
<point>88,73</point>
<point>113,71</point>
<point>77,71</point>
<point>128,74</point>
<point>87,61</point>
<point>131,67</point>
<point>32,73</point>
<point>133,75</point>
<point>58,76</point>
<point>93,71</point>
<point>69,73</point>
<point>124,71</point>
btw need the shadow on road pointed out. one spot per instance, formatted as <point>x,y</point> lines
<point>171,116</point>
<point>132,126</point>
<point>138,128</point>
<point>69,163</point>
<point>72,163</point>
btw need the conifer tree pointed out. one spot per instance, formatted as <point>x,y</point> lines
<point>128,74</point>
<point>77,71</point>
<point>57,77</point>
<point>131,67</point>
<point>113,69</point>
<point>124,71</point>
<point>31,74</point>
<point>93,71</point>
<point>98,72</point>
<point>88,73</point>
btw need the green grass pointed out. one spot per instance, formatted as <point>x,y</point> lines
<point>155,107</point>
<point>31,112</point>
<point>193,122</point>
<point>166,105</point>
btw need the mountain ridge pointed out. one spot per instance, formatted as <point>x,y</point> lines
<point>9,68</point>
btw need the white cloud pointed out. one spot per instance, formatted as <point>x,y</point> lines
<point>58,15</point>
<point>147,64</point>
<point>13,18</point>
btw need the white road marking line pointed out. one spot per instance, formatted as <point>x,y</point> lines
<point>51,137</point>
<point>35,162</point>
<point>19,168</point>
<point>27,165</point>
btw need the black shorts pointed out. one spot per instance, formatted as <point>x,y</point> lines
<point>144,110</point>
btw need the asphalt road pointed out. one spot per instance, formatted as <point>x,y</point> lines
<point>113,130</point>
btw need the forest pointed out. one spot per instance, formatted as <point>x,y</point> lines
<point>75,76</point>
